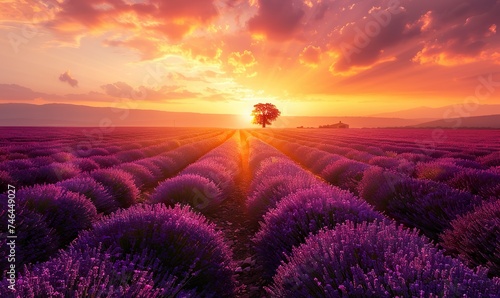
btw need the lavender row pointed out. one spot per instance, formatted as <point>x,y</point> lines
<point>206,183</point>
<point>144,251</point>
<point>377,259</point>
<point>293,204</point>
<point>23,143</point>
<point>427,205</point>
<point>459,174</point>
<point>299,220</point>
<point>63,165</point>
<point>485,183</point>
<point>431,207</point>
<point>124,183</point>
<point>447,142</point>
<point>56,213</point>
<point>357,148</point>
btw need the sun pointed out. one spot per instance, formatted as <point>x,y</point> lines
<point>247,117</point>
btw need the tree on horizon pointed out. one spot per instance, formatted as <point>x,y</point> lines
<point>264,114</point>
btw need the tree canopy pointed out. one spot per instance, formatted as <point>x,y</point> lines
<point>265,113</point>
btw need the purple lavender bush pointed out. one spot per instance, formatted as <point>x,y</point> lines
<point>56,172</point>
<point>35,241</point>
<point>183,242</point>
<point>141,175</point>
<point>35,152</point>
<point>6,178</point>
<point>490,160</point>
<point>62,156</point>
<point>360,156</point>
<point>266,191</point>
<point>475,237</point>
<point>88,274</point>
<point>375,260</point>
<point>160,166</point>
<point>479,182</point>
<point>93,190</point>
<point>385,162</point>
<point>321,163</point>
<point>42,161</point>
<point>426,205</point>
<point>437,170</point>
<point>130,155</point>
<point>18,164</point>
<point>85,164</point>
<point>345,173</point>
<point>303,213</point>
<point>276,166</point>
<point>119,184</point>
<point>66,212</point>
<point>216,172</point>
<point>106,161</point>
<point>153,166</point>
<point>199,192</point>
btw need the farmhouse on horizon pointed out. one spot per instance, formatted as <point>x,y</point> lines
<point>336,125</point>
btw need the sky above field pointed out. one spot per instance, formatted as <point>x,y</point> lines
<point>308,57</point>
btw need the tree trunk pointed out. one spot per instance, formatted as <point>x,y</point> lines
<point>264,125</point>
<point>264,121</point>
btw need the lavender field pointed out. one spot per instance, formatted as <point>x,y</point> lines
<point>201,212</point>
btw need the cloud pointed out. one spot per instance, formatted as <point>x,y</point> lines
<point>164,93</point>
<point>66,77</point>
<point>277,19</point>
<point>171,19</point>
<point>310,56</point>
<point>240,63</point>
<point>16,92</point>
<point>360,46</point>
<point>118,89</point>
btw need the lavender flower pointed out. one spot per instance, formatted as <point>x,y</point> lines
<point>475,237</point>
<point>199,192</point>
<point>302,213</point>
<point>35,241</point>
<point>183,242</point>
<point>479,182</point>
<point>85,164</point>
<point>141,175</point>
<point>89,274</point>
<point>375,260</point>
<point>94,191</point>
<point>268,191</point>
<point>345,174</point>
<point>65,211</point>
<point>119,184</point>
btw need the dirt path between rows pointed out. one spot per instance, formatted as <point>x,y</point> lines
<point>238,229</point>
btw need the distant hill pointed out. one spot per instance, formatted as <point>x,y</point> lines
<point>439,113</point>
<point>490,121</point>
<point>77,115</point>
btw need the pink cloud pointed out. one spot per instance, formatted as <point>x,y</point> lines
<point>277,19</point>
<point>311,55</point>
<point>66,77</point>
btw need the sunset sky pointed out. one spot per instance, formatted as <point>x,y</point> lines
<point>309,57</point>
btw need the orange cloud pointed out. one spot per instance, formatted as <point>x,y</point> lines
<point>241,62</point>
<point>311,56</point>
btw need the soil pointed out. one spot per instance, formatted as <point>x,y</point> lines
<point>238,229</point>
